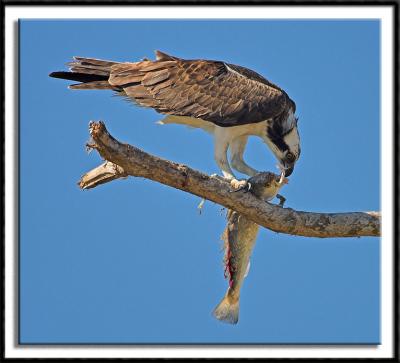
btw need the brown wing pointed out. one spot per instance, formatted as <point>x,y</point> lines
<point>224,94</point>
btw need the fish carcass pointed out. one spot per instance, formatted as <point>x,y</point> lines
<point>239,239</point>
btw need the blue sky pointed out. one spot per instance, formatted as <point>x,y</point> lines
<point>133,261</point>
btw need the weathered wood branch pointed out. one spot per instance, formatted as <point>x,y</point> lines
<point>123,160</point>
<point>104,173</point>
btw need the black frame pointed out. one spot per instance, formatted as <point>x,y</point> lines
<point>395,7</point>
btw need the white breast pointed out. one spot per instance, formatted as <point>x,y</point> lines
<point>257,129</point>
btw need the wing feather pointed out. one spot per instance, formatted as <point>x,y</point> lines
<point>154,78</point>
<point>224,94</point>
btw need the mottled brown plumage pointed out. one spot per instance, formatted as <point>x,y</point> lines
<point>229,101</point>
<point>225,94</point>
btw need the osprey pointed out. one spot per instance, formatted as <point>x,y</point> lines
<point>229,101</point>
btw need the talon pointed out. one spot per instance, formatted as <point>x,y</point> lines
<point>238,185</point>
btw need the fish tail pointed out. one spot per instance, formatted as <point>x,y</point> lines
<point>227,310</point>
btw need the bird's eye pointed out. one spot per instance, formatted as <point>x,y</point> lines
<point>290,157</point>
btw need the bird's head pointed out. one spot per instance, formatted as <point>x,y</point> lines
<point>283,138</point>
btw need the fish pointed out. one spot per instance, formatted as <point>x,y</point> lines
<point>239,238</point>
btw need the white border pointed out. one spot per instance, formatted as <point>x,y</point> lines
<point>385,350</point>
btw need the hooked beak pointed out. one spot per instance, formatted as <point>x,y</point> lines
<point>288,169</point>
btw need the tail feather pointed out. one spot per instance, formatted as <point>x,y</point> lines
<point>227,310</point>
<point>79,77</point>
<point>91,70</point>
<point>92,73</point>
<point>93,85</point>
<point>93,61</point>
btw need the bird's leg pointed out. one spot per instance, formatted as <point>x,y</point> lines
<point>220,151</point>
<point>237,147</point>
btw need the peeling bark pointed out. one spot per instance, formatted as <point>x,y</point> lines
<point>104,173</point>
<point>123,160</point>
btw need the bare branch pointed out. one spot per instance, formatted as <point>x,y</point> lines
<point>130,160</point>
<point>104,173</point>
